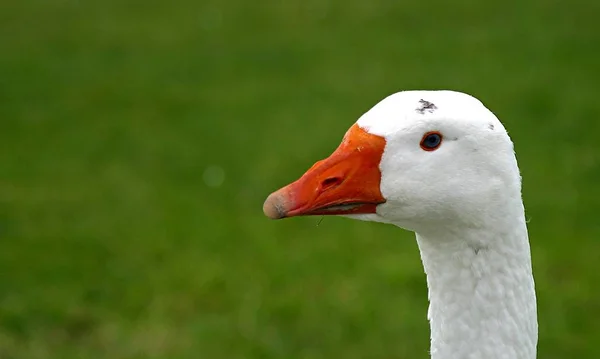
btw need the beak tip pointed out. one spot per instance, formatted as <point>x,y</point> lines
<point>273,206</point>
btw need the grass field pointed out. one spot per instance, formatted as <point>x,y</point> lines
<point>139,139</point>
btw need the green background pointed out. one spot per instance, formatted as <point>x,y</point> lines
<point>139,139</point>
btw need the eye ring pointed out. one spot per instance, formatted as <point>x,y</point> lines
<point>431,141</point>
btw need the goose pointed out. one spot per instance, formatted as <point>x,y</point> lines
<point>440,164</point>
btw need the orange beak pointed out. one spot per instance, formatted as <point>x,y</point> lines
<point>347,182</point>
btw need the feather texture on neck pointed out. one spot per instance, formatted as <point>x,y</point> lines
<point>481,292</point>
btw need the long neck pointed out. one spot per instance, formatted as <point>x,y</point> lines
<point>481,291</point>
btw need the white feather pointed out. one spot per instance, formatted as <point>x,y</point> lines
<point>464,202</point>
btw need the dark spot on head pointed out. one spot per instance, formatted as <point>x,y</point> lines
<point>478,248</point>
<point>425,106</point>
<point>491,126</point>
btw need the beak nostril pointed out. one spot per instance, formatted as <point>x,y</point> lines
<point>330,183</point>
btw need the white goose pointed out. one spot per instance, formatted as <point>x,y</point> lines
<point>440,164</point>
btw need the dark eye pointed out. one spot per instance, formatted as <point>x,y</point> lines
<point>431,141</point>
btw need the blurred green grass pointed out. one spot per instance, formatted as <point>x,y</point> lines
<point>115,115</point>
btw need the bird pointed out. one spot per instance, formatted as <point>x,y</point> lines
<point>440,164</point>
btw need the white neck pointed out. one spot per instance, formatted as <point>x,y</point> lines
<point>481,290</point>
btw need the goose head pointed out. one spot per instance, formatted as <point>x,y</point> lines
<point>440,164</point>
<point>417,159</point>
